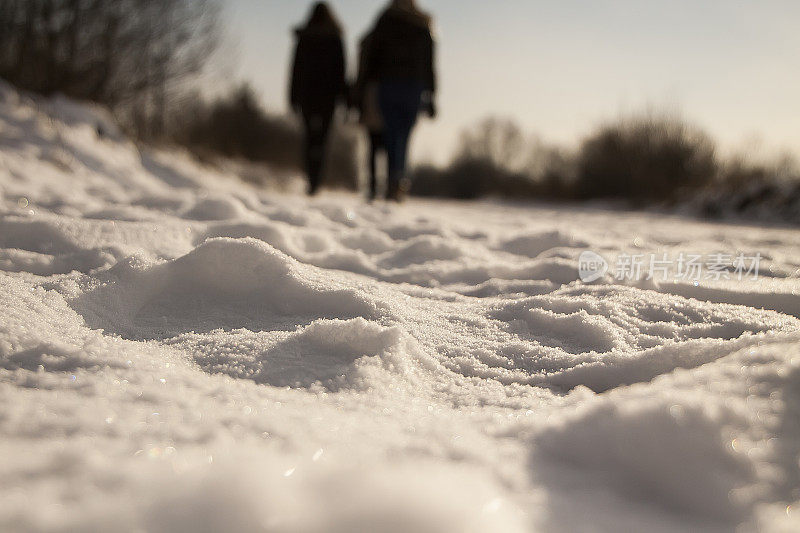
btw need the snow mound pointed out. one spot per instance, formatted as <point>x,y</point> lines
<point>604,337</point>
<point>81,115</point>
<point>706,441</point>
<point>329,355</point>
<point>367,240</point>
<point>223,283</point>
<point>48,265</point>
<point>421,250</point>
<point>41,236</point>
<point>281,237</point>
<point>675,453</point>
<point>602,319</point>
<point>388,499</point>
<point>53,358</point>
<point>536,244</point>
<point>223,208</point>
<point>44,248</point>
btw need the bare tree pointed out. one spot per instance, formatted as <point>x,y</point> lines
<point>497,141</point>
<point>133,55</point>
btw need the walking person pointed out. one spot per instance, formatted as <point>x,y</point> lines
<point>400,60</point>
<point>365,99</point>
<point>318,84</point>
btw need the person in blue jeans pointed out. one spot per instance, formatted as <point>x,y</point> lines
<point>400,60</point>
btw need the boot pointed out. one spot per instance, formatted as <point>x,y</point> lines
<point>393,192</point>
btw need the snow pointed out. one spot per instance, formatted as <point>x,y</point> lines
<point>180,351</point>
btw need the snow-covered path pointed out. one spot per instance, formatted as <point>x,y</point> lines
<point>182,352</point>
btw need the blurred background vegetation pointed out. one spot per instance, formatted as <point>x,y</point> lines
<point>144,60</point>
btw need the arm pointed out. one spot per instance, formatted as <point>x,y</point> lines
<point>341,69</point>
<point>430,64</point>
<point>294,89</point>
<point>429,97</point>
<point>357,92</point>
<point>371,54</point>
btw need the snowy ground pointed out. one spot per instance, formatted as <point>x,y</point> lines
<point>180,352</point>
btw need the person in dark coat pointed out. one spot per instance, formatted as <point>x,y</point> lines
<point>318,84</point>
<point>401,60</point>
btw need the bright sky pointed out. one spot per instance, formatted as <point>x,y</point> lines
<point>560,67</point>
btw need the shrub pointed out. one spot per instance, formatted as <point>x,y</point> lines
<point>236,126</point>
<point>496,158</point>
<point>645,158</point>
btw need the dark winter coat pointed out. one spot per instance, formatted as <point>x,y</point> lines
<point>402,49</point>
<point>318,71</point>
<point>364,94</point>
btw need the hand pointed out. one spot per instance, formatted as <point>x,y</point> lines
<point>430,109</point>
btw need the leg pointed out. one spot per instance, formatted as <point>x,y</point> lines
<point>375,142</point>
<point>412,101</point>
<point>313,150</point>
<point>392,120</point>
<point>317,126</point>
<point>394,156</point>
<point>404,134</point>
<point>400,105</point>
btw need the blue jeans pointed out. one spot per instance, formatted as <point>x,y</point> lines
<point>400,102</point>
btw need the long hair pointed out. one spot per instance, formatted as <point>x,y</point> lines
<point>322,18</point>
